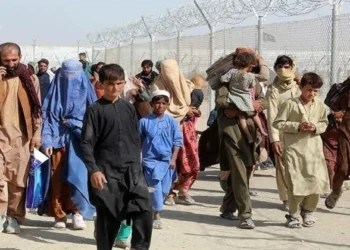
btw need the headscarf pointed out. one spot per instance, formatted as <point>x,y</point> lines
<point>66,102</point>
<point>172,80</point>
<point>34,65</point>
<point>23,74</point>
<point>285,78</point>
<point>158,65</point>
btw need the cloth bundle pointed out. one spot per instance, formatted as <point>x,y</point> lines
<point>219,68</point>
<point>335,96</point>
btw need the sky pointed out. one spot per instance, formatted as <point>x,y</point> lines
<point>65,22</point>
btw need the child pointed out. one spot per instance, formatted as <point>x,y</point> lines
<point>111,151</point>
<point>302,120</point>
<point>197,95</point>
<point>241,91</point>
<point>161,141</point>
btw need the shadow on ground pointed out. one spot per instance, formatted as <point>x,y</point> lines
<point>275,237</point>
<point>42,232</point>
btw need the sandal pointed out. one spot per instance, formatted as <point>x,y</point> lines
<point>121,244</point>
<point>292,222</point>
<point>247,224</point>
<point>157,224</point>
<point>308,219</point>
<point>228,216</point>
<point>184,200</point>
<point>332,200</point>
<point>169,201</point>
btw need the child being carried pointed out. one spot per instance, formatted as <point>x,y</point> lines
<point>241,89</point>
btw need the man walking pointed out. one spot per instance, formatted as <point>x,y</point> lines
<point>20,128</point>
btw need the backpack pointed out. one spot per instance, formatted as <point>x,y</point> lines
<point>335,95</point>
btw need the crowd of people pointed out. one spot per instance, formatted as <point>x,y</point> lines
<point>121,147</point>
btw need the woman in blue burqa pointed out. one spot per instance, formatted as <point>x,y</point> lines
<point>63,110</point>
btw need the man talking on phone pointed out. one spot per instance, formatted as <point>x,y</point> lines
<point>20,129</point>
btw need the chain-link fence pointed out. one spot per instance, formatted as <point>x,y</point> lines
<point>309,42</point>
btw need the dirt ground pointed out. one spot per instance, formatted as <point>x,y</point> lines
<point>200,227</point>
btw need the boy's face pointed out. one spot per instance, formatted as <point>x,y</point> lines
<point>308,93</point>
<point>113,89</point>
<point>146,69</point>
<point>43,67</point>
<point>160,106</point>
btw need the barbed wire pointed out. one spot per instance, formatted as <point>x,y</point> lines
<point>174,21</point>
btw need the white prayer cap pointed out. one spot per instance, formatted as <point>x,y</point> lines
<point>159,93</point>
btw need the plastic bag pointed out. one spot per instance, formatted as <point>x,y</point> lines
<point>37,180</point>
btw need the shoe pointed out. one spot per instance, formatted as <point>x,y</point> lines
<point>2,222</point>
<point>157,223</point>
<point>169,201</point>
<point>60,223</point>
<point>229,216</point>
<point>121,244</point>
<point>247,224</point>
<point>78,222</point>
<point>12,226</point>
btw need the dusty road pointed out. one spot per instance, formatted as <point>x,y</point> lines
<point>200,227</point>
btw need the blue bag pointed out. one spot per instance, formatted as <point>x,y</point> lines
<point>38,180</point>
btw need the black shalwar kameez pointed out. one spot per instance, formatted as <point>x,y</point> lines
<point>111,145</point>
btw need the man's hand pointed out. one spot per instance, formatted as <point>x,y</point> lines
<point>34,144</point>
<point>48,151</point>
<point>2,72</point>
<point>98,180</point>
<point>132,92</point>
<point>257,106</point>
<point>137,82</point>
<point>230,113</point>
<point>277,148</point>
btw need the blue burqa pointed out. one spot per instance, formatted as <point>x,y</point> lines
<point>63,110</point>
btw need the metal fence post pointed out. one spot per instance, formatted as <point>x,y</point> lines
<point>178,47</point>
<point>260,34</point>
<point>212,45</point>
<point>151,49</point>
<point>261,25</point>
<point>132,57</point>
<point>212,52</point>
<point>106,48</point>
<point>334,42</point>
<point>151,36</point>
<point>118,52</point>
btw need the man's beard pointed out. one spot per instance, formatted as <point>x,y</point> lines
<point>11,72</point>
